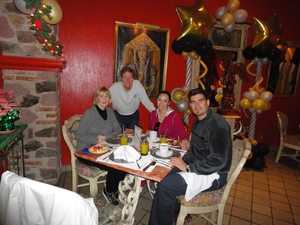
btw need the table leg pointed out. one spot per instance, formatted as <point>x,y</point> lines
<point>151,185</point>
<point>129,191</point>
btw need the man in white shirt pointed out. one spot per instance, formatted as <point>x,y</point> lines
<point>126,96</point>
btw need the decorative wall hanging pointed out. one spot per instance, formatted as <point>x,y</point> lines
<point>131,40</point>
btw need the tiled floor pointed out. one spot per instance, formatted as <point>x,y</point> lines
<point>269,197</point>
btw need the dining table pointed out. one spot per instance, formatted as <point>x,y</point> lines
<point>151,167</point>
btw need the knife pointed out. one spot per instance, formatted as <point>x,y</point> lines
<point>150,164</point>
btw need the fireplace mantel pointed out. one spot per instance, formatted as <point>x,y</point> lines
<point>29,63</point>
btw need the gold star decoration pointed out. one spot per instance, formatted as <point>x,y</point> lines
<point>194,20</point>
<point>268,29</point>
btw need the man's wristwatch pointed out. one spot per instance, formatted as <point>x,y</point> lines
<point>187,168</point>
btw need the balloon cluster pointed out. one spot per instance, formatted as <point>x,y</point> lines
<point>180,97</point>
<point>256,100</point>
<point>219,95</point>
<point>195,22</point>
<point>230,14</point>
<point>266,34</point>
<point>265,51</point>
<point>192,46</point>
<point>43,14</point>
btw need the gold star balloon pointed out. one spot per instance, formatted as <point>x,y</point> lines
<point>194,20</point>
<point>268,29</point>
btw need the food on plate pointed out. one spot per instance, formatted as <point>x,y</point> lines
<point>174,142</point>
<point>98,149</point>
<point>129,131</point>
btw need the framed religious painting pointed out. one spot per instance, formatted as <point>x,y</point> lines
<point>144,48</point>
<point>284,72</point>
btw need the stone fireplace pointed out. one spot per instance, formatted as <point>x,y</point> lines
<point>34,75</point>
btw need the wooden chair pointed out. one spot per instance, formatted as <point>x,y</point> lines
<point>89,173</point>
<point>213,202</point>
<point>288,141</point>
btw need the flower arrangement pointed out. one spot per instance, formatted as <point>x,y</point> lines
<point>8,115</point>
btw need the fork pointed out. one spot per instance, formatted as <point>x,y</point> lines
<point>162,162</point>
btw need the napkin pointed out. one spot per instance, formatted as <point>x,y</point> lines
<point>127,153</point>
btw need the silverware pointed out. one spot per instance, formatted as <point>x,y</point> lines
<point>150,164</point>
<point>107,156</point>
<point>137,164</point>
<point>162,162</point>
<point>178,150</point>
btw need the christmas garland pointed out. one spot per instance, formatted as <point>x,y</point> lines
<point>43,29</point>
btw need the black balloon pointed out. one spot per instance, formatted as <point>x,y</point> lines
<point>203,47</point>
<point>258,162</point>
<point>249,53</point>
<point>176,47</point>
<point>263,149</point>
<point>254,151</point>
<point>274,53</point>
<point>188,43</point>
<point>262,50</point>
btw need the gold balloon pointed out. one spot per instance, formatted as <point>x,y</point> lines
<point>267,106</point>
<point>226,19</point>
<point>233,5</point>
<point>185,55</point>
<point>178,95</point>
<point>56,12</point>
<point>196,57</point>
<point>195,20</point>
<point>218,98</point>
<point>268,29</point>
<point>246,103</point>
<point>192,54</point>
<point>188,111</point>
<point>259,104</point>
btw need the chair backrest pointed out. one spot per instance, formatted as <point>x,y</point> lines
<point>282,122</point>
<point>26,201</point>
<point>240,152</point>
<point>69,130</point>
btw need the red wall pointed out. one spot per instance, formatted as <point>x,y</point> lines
<point>87,34</point>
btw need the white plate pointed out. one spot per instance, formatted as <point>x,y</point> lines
<point>102,152</point>
<point>156,140</point>
<point>169,153</point>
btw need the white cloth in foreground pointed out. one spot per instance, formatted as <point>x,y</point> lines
<point>25,201</point>
<point>127,153</point>
<point>197,183</point>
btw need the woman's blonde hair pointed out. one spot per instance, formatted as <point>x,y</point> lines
<point>100,92</point>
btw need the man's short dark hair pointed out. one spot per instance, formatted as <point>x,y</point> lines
<point>197,91</point>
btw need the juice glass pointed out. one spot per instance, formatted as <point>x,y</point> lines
<point>123,139</point>
<point>144,147</point>
<point>163,139</point>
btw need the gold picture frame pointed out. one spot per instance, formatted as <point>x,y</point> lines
<point>130,41</point>
<point>284,71</point>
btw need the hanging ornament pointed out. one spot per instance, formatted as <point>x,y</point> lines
<point>43,31</point>
<point>21,6</point>
<point>268,29</point>
<point>55,14</point>
<point>195,20</point>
